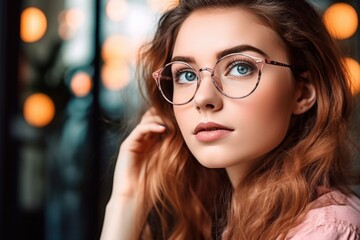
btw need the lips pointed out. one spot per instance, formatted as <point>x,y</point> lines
<point>209,127</point>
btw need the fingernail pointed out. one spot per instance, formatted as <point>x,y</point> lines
<point>161,126</point>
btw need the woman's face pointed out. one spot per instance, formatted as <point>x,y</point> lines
<point>234,133</point>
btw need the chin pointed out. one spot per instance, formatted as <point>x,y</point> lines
<point>212,162</point>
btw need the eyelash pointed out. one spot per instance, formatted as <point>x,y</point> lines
<point>181,70</point>
<point>230,65</point>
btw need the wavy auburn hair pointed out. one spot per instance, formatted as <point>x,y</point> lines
<point>194,202</point>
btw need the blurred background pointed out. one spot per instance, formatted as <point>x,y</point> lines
<point>67,92</point>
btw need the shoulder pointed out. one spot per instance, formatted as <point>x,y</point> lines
<point>333,216</point>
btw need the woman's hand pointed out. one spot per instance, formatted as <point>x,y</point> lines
<point>132,154</point>
<point>121,220</point>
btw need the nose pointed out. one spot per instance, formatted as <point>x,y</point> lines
<point>207,97</point>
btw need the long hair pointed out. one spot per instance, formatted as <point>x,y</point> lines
<point>194,202</point>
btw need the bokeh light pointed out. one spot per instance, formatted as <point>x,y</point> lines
<point>116,47</point>
<point>74,17</point>
<point>115,75</point>
<point>116,10</point>
<point>161,5</point>
<point>33,24</point>
<point>39,110</point>
<point>341,20</point>
<point>81,84</point>
<point>354,72</point>
<point>70,21</point>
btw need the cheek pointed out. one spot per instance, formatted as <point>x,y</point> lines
<point>268,112</point>
<point>183,118</point>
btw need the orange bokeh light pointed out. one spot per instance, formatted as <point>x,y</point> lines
<point>116,47</point>
<point>33,24</point>
<point>161,5</point>
<point>74,18</point>
<point>354,74</point>
<point>341,20</point>
<point>81,84</point>
<point>116,10</point>
<point>70,21</point>
<point>115,75</point>
<point>39,110</point>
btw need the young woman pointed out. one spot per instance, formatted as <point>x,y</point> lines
<point>245,136</point>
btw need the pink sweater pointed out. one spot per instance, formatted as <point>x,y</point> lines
<point>333,216</point>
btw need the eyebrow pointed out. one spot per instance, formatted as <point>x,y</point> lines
<point>239,49</point>
<point>223,53</point>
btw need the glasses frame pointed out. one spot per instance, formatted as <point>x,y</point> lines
<point>259,61</point>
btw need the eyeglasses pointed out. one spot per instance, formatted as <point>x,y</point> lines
<point>235,75</point>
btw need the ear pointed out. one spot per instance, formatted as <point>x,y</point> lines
<point>305,94</point>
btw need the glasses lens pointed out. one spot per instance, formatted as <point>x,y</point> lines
<point>178,82</point>
<point>236,75</point>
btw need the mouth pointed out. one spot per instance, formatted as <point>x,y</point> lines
<point>210,127</point>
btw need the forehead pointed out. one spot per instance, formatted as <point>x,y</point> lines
<point>212,30</point>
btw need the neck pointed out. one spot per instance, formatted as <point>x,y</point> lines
<point>237,173</point>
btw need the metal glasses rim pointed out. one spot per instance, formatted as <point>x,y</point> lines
<point>257,60</point>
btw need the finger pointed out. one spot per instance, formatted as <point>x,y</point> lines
<point>142,136</point>
<point>152,119</point>
<point>151,116</point>
<point>151,111</point>
<point>142,130</point>
<point>151,127</point>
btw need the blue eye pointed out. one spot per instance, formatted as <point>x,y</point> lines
<point>185,77</point>
<point>240,69</point>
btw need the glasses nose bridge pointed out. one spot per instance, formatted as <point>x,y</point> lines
<point>207,69</point>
